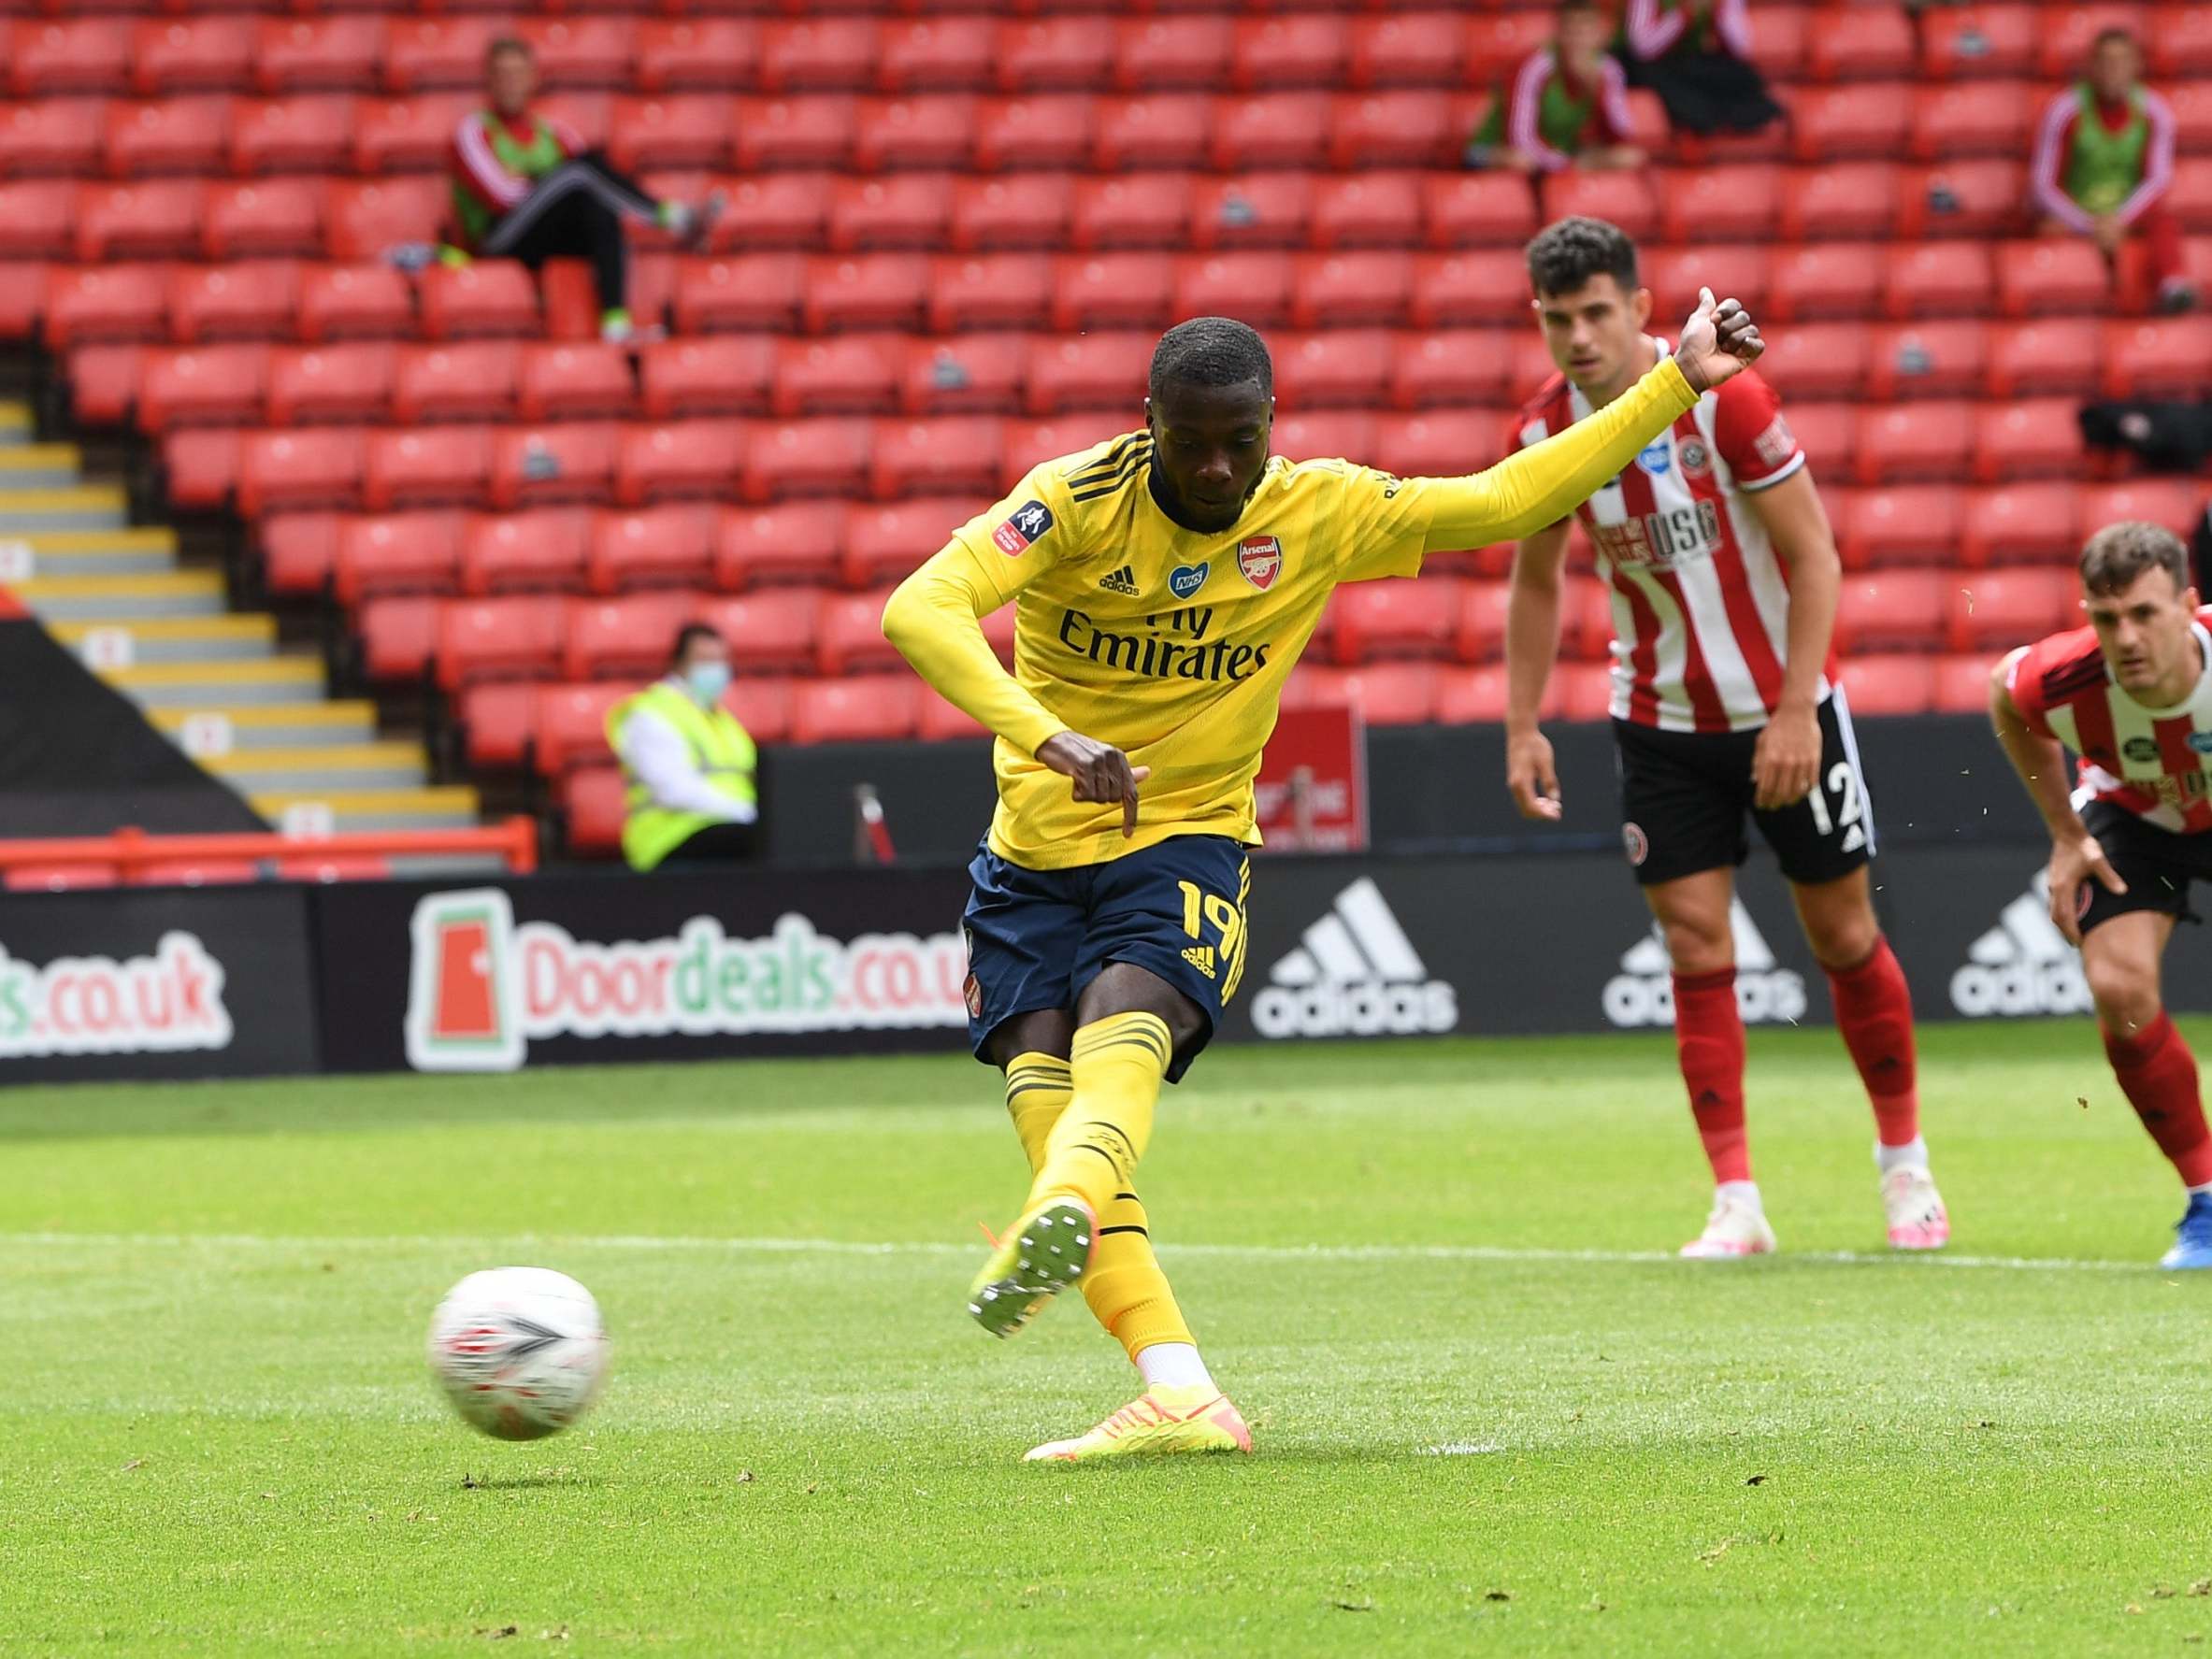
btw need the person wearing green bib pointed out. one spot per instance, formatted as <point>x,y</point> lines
<point>526,187</point>
<point>2104,159</point>
<point>1566,105</point>
<point>688,764</point>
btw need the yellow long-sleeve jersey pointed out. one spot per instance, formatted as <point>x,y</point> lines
<point>1174,644</point>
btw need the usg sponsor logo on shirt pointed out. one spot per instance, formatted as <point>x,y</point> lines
<point>481,986</point>
<point>1355,974</point>
<point>2022,965</point>
<point>1643,992</point>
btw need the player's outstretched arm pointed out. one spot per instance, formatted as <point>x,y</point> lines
<point>2076,855</point>
<point>1532,646</point>
<point>1543,482</point>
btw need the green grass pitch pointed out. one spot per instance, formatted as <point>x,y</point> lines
<point>1492,1418</point>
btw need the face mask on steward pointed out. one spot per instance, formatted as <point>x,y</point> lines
<point>707,681</point>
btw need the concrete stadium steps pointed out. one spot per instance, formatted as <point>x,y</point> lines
<point>184,686</point>
<point>16,424</point>
<point>39,466</point>
<point>345,768</point>
<point>124,598</point>
<point>149,550</point>
<point>68,507</point>
<point>313,812</point>
<point>169,639</point>
<point>226,728</point>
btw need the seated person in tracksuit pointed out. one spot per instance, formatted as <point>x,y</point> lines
<point>526,188</point>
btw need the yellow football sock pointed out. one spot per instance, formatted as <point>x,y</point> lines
<point>1127,1291</point>
<point>1038,1090</point>
<point>1117,1063</point>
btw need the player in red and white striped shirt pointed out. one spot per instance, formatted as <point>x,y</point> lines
<point>2131,695</point>
<point>1724,578</point>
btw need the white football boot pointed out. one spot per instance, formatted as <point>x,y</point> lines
<point>1736,1228</point>
<point>1918,1220</point>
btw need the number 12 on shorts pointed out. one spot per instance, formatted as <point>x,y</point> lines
<point>1843,782</point>
<point>1202,910</point>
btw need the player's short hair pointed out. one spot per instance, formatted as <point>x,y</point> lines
<point>500,45</point>
<point>1568,254</point>
<point>690,634</point>
<point>2118,554</point>
<point>2106,37</point>
<point>1210,352</point>
<point>1568,6</point>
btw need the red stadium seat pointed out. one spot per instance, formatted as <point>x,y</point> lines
<point>298,549</point>
<point>325,384</point>
<point>1368,210</point>
<point>205,53</point>
<point>595,800</point>
<point>1858,43</point>
<point>1252,211</point>
<point>1675,275</point>
<point>2047,355</point>
<point>727,376</point>
<point>1143,210</point>
<point>1892,683</point>
<point>884,544</point>
<point>1891,610</point>
<point>158,217</point>
<point>1938,280</point>
<point>1841,201</point>
<point>855,373</point>
<point>742,293</point>
<point>201,468</point>
<point>653,547</point>
<point>1026,211</point>
<point>2067,31</point>
<point>1440,443</point>
<point>936,54</point>
<point>1962,684</point>
<point>1408,49</point>
<point>677,459</point>
<point>2170,357</point>
<point>2174,503</point>
<point>542,550</point>
<point>1964,198</point>
<point>399,637</point>
<point>1904,525</point>
<point>213,385</point>
<point>1057,53</point>
<point>1828,434</point>
<point>1349,289</point>
<point>1335,367</point>
<point>865,291</point>
<point>119,302</point>
<point>407,134</point>
<point>1499,40</point>
<point>767,133</point>
<point>103,382</point>
<point>185,134</point>
<point>1049,131</point>
<point>1971,42</point>
<point>971,374</point>
<point>1997,610</point>
<point>1448,367</point>
<point>794,541</point>
<point>416,553</point>
<point>2190,196</point>
<point>1346,435</point>
<point>1816,360</point>
<point>498,722</point>
<point>770,632</point>
<point>50,135</point>
<point>1169,130</point>
<point>519,638</point>
<point>568,725</point>
<point>1403,129</point>
<point>990,291</point>
<point>929,133</point>
<point>938,721</point>
<point>1478,631</point>
<point>1373,620</point>
<point>1387,693</point>
<point>318,54</point>
<point>428,53</point>
<point>350,302</point>
<point>1113,290</point>
<point>490,298</point>
<point>1930,441</point>
<point>312,132</point>
<point>434,465</point>
<point>2180,40</point>
<point>1927,360</point>
<point>672,130</point>
<point>1453,290</point>
<point>1850,123</point>
<point>472,380</point>
<point>2021,524</point>
<point>1088,371</point>
<point>364,220</point>
<point>1476,697</point>
<point>307,466</point>
<point>828,455</point>
<point>1292,51</point>
<point>2034,438</point>
<point>695,54</point>
<point>1251,288</point>
<point>263,218</point>
<point>253,300</point>
<point>908,210</point>
<point>36,219</point>
<point>1825,280</point>
<point>775,210</point>
<point>1622,197</point>
<point>580,51</point>
<point>82,55</point>
<point>627,637</point>
<point>874,708</point>
<point>571,381</point>
<point>823,53</point>
<point>1723,204</point>
<point>1972,118</point>
<point>949,455</point>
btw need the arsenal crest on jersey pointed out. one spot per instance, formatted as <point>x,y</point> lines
<point>1260,558</point>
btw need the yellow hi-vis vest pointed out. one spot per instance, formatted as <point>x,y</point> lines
<point>723,751</point>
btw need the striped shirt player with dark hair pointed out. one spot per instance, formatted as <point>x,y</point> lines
<point>1164,584</point>
<point>1723,576</point>
<point>526,187</point>
<point>2130,695</point>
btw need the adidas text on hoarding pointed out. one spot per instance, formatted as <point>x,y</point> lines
<point>164,1003</point>
<point>2022,965</point>
<point>1354,974</point>
<point>482,985</point>
<point>1643,992</point>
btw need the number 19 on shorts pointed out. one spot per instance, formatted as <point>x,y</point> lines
<point>1216,927</point>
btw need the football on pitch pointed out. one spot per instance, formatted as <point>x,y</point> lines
<point>521,1352</point>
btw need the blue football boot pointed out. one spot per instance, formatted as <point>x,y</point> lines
<point>2192,1236</point>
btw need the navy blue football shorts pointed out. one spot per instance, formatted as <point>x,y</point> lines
<point>1037,938</point>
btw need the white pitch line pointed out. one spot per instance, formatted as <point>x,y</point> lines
<point>1326,1253</point>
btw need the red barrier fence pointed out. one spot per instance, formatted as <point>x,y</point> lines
<point>132,857</point>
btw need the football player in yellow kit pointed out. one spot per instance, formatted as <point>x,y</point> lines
<point>1164,583</point>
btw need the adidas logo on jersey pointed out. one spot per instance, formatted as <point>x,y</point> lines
<point>1643,992</point>
<point>2022,965</point>
<point>1120,582</point>
<point>1202,958</point>
<point>1355,974</point>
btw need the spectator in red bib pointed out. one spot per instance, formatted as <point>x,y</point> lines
<point>1566,105</point>
<point>526,186</point>
<point>2104,161</point>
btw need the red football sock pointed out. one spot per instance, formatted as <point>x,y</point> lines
<point>2159,1075</point>
<point>1873,1010</point>
<point>1709,1039</point>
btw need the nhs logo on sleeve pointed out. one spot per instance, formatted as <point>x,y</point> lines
<point>1186,580</point>
<point>1657,458</point>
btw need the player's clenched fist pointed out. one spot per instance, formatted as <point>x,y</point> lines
<point>1719,342</point>
<point>1101,772</point>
